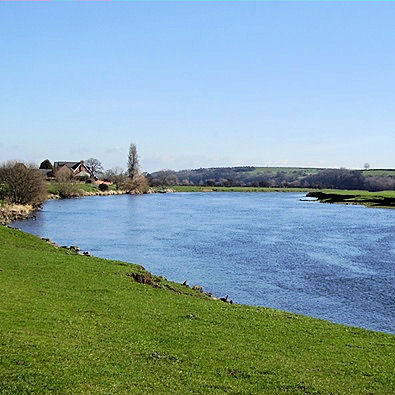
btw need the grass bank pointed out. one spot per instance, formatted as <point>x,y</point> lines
<point>80,188</point>
<point>72,324</point>
<point>383,199</point>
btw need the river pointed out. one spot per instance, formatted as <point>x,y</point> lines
<point>270,249</point>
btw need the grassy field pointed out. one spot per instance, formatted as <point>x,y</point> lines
<point>71,324</point>
<point>370,199</point>
<point>306,171</point>
<point>360,193</point>
<point>379,172</point>
<point>248,174</point>
<point>299,171</point>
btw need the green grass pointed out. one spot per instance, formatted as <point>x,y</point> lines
<point>360,193</point>
<point>370,199</point>
<point>300,171</point>
<point>71,324</point>
<point>306,171</point>
<point>379,172</point>
<point>53,187</point>
<point>88,187</point>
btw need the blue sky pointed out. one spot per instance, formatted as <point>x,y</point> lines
<point>199,84</point>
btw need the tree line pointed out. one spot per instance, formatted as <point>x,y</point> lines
<point>246,177</point>
<point>23,183</point>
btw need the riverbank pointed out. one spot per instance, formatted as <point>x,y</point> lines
<point>78,324</point>
<point>14,212</point>
<point>382,199</point>
<point>188,188</point>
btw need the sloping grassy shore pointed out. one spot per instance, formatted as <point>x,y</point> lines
<point>76,324</point>
<point>384,199</point>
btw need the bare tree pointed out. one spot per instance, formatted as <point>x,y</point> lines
<point>366,166</point>
<point>22,183</point>
<point>95,166</point>
<point>133,161</point>
<point>115,175</point>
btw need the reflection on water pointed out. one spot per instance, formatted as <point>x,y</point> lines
<point>271,249</point>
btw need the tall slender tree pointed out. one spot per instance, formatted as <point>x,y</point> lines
<point>133,161</point>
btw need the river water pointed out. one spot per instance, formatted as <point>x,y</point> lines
<point>271,249</point>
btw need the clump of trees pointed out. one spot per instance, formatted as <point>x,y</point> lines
<point>164,178</point>
<point>22,183</point>
<point>336,179</point>
<point>115,175</point>
<point>132,180</point>
<point>297,178</point>
<point>380,183</point>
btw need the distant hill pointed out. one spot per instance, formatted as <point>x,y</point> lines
<point>373,179</point>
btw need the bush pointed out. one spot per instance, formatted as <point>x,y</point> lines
<point>83,178</point>
<point>63,175</point>
<point>3,191</point>
<point>137,184</point>
<point>46,164</point>
<point>22,183</point>
<point>103,187</point>
<point>68,190</point>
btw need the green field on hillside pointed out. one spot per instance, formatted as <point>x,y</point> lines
<point>71,324</point>
<point>379,172</point>
<point>298,171</point>
<point>306,171</point>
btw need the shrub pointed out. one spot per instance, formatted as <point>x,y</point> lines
<point>46,164</point>
<point>22,183</point>
<point>103,187</point>
<point>139,184</point>
<point>64,174</point>
<point>68,190</point>
<point>83,178</point>
<point>3,190</point>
